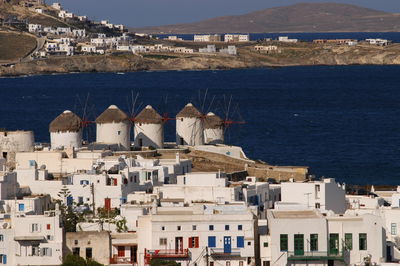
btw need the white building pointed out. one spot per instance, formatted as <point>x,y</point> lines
<point>209,49</point>
<point>325,195</point>
<point>35,28</point>
<point>149,129</point>
<point>230,50</point>
<point>56,6</point>
<point>237,38</point>
<point>287,39</point>
<point>298,236</point>
<point>380,42</point>
<point>114,127</point>
<point>66,131</point>
<point>88,49</point>
<point>207,38</point>
<point>12,142</point>
<point>189,126</point>
<point>79,33</point>
<point>201,235</point>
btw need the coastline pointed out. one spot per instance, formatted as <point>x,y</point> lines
<point>289,55</point>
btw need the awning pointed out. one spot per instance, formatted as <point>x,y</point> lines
<point>29,238</point>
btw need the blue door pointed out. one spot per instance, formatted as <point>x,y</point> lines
<point>227,244</point>
<point>212,242</point>
<point>70,201</point>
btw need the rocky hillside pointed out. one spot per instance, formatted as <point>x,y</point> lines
<point>306,17</point>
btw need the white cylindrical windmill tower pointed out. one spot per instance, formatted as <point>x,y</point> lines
<point>213,129</point>
<point>189,126</point>
<point>113,126</point>
<point>149,129</point>
<point>66,131</point>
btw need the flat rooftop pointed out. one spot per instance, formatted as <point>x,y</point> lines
<point>296,214</point>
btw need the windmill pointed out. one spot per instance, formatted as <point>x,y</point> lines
<point>86,113</point>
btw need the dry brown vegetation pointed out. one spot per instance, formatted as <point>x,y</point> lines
<point>14,46</point>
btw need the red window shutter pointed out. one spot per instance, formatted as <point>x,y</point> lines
<point>196,239</point>
<point>190,243</point>
<point>115,182</point>
<point>48,226</point>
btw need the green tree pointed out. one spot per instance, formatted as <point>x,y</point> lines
<point>158,262</point>
<point>73,260</point>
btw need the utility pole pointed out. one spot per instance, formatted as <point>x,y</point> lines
<point>93,204</point>
<point>207,256</point>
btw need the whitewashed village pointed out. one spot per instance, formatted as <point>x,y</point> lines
<point>114,202</point>
<point>86,37</point>
<point>131,198</point>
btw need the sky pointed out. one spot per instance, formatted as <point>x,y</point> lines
<point>140,13</point>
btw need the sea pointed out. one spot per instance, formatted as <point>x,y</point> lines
<point>341,121</point>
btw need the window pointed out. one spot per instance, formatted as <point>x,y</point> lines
<point>314,242</point>
<point>241,263</point>
<point>50,237</point>
<point>35,250</point>
<point>3,259</point>
<point>21,207</point>
<point>317,205</point>
<point>265,244</point>
<point>89,253</point>
<point>212,243</point>
<point>228,263</point>
<point>348,241</point>
<point>179,228</point>
<point>1,238</point>
<point>194,227</point>
<point>211,263</point>
<point>393,228</point>
<point>76,251</point>
<point>76,242</point>
<point>84,182</point>
<point>46,252</point>
<point>249,243</point>
<point>194,242</point>
<point>226,227</point>
<point>211,227</point>
<point>163,241</point>
<point>240,241</point>
<point>80,200</point>
<point>162,228</point>
<point>35,228</point>
<point>240,227</point>
<point>284,242</point>
<point>119,132</point>
<point>363,241</point>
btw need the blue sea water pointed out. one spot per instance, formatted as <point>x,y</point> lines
<point>342,121</point>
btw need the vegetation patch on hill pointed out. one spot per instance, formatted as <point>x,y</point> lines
<point>14,46</point>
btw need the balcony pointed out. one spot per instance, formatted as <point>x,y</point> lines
<point>220,252</point>
<point>315,256</point>
<point>167,253</point>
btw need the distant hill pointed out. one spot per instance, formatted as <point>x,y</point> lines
<point>304,17</point>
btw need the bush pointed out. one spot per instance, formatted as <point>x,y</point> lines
<point>73,260</point>
<point>158,262</point>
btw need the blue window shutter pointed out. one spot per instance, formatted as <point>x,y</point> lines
<point>21,207</point>
<point>4,259</point>
<point>240,241</point>
<point>211,242</point>
<point>70,201</point>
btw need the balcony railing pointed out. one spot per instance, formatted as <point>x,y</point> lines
<point>167,253</point>
<point>222,252</point>
<point>315,255</point>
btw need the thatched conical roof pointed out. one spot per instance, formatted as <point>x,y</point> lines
<point>112,115</point>
<point>149,116</point>
<point>213,121</point>
<point>189,111</point>
<point>66,122</point>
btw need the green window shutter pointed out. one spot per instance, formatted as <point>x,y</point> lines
<point>348,241</point>
<point>314,242</point>
<point>284,242</point>
<point>363,241</point>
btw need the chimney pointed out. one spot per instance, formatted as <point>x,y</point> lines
<point>177,157</point>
